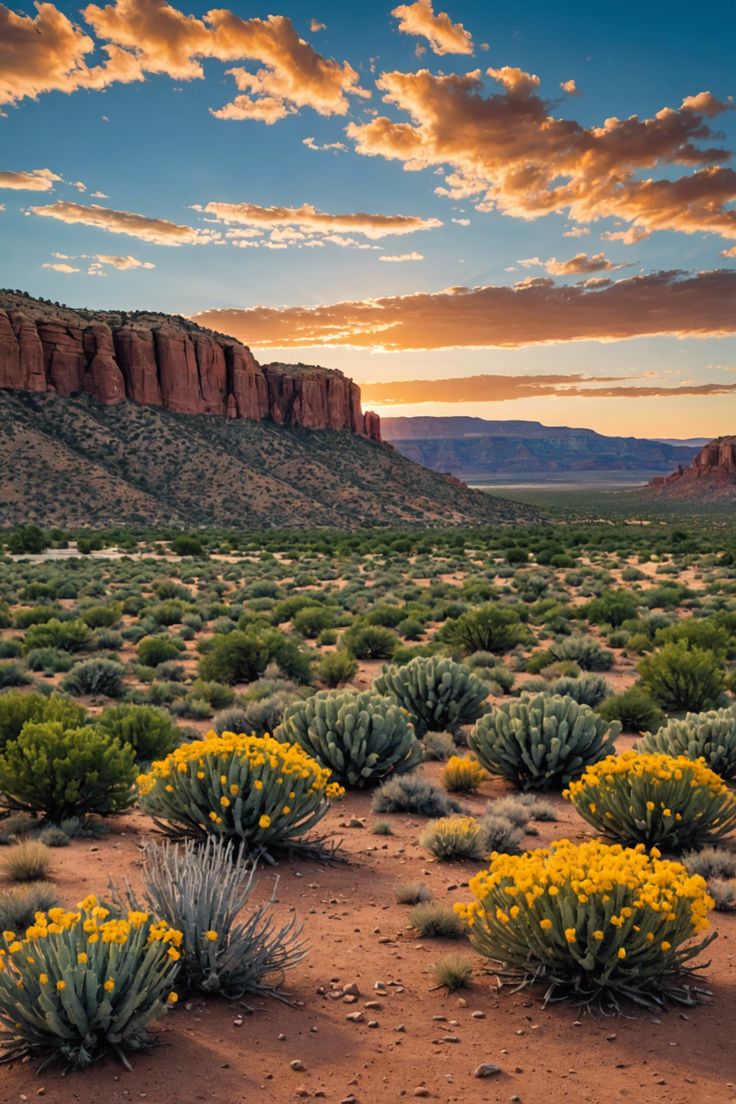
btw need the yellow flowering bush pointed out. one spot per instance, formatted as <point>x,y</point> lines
<point>596,921</point>
<point>462,775</point>
<point>454,837</point>
<point>82,982</point>
<point>667,800</point>
<point>252,789</point>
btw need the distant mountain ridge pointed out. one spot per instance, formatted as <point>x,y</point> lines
<point>476,449</point>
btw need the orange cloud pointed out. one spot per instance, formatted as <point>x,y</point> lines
<point>400,258</point>
<point>580,263</point>
<point>309,220</point>
<point>36,180</point>
<point>48,52</point>
<point>158,231</point>
<point>504,388</point>
<point>444,36</point>
<point>61,266</point>
<point>121,263</point>
<point>507,151</point>
<point>664,303</point>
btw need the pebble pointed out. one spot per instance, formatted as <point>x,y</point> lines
<point>297,1064</point>
<point>486,1069</point>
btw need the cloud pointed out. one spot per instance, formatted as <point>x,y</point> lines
<point>576,232</point>
<point>508,151</point>
<point>121,263</point>
<point>627,237</point>
<point>309,220</point>
<point>99,195</point>
<point>444,36</point>
<point>580,263</point>
<point>311,144</point>
<point>36,180</point>
<point>729,252</point>
<point>2,207</point>
<point>60,266</point>
<point>158,231</point>
<point>570,87</point>
<point>315,26</point>
<point>47,52</point>
<point>505,388</point>
<point>399,258</point>
<point>665,303</point>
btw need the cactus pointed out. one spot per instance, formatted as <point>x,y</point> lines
<point>710,736</point>
<point>254,789</point>
<point>79,984</point>
<point>439,694</point>
<point>627,936</point>
<point>361,737</point>
<point>540,742</point>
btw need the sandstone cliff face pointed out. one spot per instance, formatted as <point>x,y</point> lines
<point>711,474</point>
<point>158,361</point>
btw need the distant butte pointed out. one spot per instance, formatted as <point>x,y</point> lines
<point>711,475</point>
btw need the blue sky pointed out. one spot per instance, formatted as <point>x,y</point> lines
<point>153,147</point>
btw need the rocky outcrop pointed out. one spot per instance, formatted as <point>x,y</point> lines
<point>162,360</point>
<point>712,474</point>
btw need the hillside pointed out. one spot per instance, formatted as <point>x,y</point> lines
<point>76,462</point>
<point>710,477</point>
<point>475,450</point>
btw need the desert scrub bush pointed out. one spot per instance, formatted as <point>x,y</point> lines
<point>216,694</point>
<point>252,789</point>
<point>335,668</point>
<point>439,694</point>
<point>612,607</point>
<point>149,731</point>
<point>261,716</point>
<point>659,800</point>
<point>243,657</point>
<point>454,837</point>
<point>521,808</point>
<point>200,890</point>
<point>28,861</point>
<point>370,641</point>
<point>409,793</point>
<point>69,636</point>
<point>95,676</point>
<point>681,677</point>
<point>583,650</point>
<point>598,923</point>
<point>462,775</point>
<point>361,737</point>
<point>587,690</point>
<point>82,983</point>
<point>500,833</point>
<point>634,709</point>
<point>438,746</point>
<point>18,906</point>
<point>710,736</point>
<point>434,921</point>
<point>541,742</point>
<point>153,650</point>
<point>65,772</point>
<point>718,867</point>
<point>412,893</point>
<point>453,972</point>
<point>491,628</point>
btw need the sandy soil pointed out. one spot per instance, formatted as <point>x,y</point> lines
<point>413,1041</point>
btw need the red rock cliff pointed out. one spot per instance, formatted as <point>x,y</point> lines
<point>159,360</point>
<point>711,474</point>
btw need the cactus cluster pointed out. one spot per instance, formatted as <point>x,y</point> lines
<point>81,983</point>
<point>664,800</point>
<point>595,922</point>
<point>362,737</point>
<point>540,742</point>
<point>710,736</point>
<point>439,694</point>
<point>253,789</point>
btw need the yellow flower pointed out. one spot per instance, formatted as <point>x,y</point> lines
<point>598,936</point>
<point>665,945</point>
<point>621,952</point>
<point>173,954</point>
<point>43,978</point>
<point>211,935</point>
<point>172,997</point>
<point>571,935</point>
<point>61,985</point>
<point>545,924</point>
<point>82,958</point>
<point>109,985</point>
<point>264,821</point>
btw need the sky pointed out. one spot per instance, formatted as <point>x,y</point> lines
<point>509,211</point>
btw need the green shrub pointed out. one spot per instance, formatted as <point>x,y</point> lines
<point>434,921</point>
<point>438,746</point>
<point>541,742</point>
<point>310,620</point>
<point>587,690</point>
<point>201,890</point>
<point>634,709</point>
<point>149,731</point>
<point>18,906</point>
<point>658,800</point>
<point>17,708</point>
<point>262,793</point>
<point>68,996</point>
<point>216,694</point>
<point>453,972</point>
<point>95,676</point>
<point>11,674</point>
<point>153,650</point>
<point>454,837</point>
<point>335,668</point>
<point>69,636</point>
<point>361,737</point>
<point>27,540</point>
<point>440,695</point>
<point>63,773</point>
<point>491,628</point>
<point>681,677</point>
<point>613,607</point>
<point>408,793</point>
<point>370,641</point>
<point>186,545</point>
<point>243,657</point>
<point>27,861</point>
<point>584,650</point>
<point>101,617</point>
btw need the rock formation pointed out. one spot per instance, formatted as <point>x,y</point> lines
<point>712,474</point>
<point>162,360</point>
